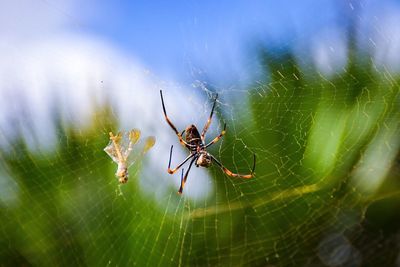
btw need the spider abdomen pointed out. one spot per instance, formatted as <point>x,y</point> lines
<point>193,136</point>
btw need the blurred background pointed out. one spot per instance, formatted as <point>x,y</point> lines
<point>311,87</point>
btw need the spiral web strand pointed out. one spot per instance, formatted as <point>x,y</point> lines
<point>325,192</point>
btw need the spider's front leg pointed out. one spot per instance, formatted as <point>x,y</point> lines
<point>172,171</point>
<point>216,139</point>
<point>184,178</point>
<point>203,133</point>
<point>183,142</point>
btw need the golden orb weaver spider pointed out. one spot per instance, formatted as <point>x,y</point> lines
<point>195,143</point>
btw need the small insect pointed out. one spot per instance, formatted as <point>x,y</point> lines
<point>120,150</point>
<point>195,143</point>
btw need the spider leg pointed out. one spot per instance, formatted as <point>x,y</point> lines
<point>228,172</point>
<point>216,139</point>
<point>172,171</point>
<point>203,133</point>
<point>183,142</point>
<point>183,179</point>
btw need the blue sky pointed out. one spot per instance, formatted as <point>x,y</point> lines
<point>181,40</point>
<point>170,38</point>
<point>82,55</point>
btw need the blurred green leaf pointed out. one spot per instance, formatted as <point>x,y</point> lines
<point>319,143</point>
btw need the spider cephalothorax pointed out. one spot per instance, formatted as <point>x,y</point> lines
<point>195,143</point>
<point>204,159</point>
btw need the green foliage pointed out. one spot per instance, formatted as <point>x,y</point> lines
<point>315,140</point>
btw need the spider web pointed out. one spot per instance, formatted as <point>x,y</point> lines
<point>325,193</point>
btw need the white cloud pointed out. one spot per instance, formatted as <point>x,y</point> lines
<point>385,39</point>
<point>22,20</point>
<point>48,71</point>
<point>329,51</point>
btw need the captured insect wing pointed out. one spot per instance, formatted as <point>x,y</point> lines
<point>131,138</point>
<point>149,143</point>
<point>140,149</point>
<point>112,149</point>
<point>134,136</point>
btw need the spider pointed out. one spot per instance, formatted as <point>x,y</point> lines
<point>195,143</point>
